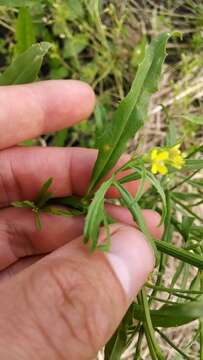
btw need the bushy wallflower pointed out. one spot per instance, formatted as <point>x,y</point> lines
<point>162,158</point>
<point>176,157</point>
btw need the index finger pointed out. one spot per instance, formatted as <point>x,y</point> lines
<point>30,110</point>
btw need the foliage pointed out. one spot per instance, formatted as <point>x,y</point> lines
<point>88,45</point>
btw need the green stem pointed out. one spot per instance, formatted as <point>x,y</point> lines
<point>155,351</point>
<point>179,253</point>
<point>139,343</point>
<point>172,344</point>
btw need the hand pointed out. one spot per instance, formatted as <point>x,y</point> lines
<point>67,304</point>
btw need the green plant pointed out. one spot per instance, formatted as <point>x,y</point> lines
<point>183,302</point>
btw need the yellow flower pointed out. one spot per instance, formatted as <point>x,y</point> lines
<point>158,158</point>
<point>176,158</point>
<point>163,157</point>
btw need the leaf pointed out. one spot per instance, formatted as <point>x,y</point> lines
<point>171,139</point>
<point>196,183</point>
<point>17,3</point>
<point>44,195</point>
<point>26,66</point>
<point>194,164</point>
<point>38,222</point>
<point>185,196</point>
<point>186,225</point>
<point>181,254</point>
<point>73,202</point>
<point>25,35</point>
<point>139,51</point>
<point>23,204</point>
<point>95,215</point>
<point>75,45</point>
<point>195,119</point>
<point>60,212</point>
<point>132,111</point>
<point>100,116</point>
<point>156,183</point>
<point>118,342</point>
<point>154,349</point>
<point>75,9</point>
<point>60,137</point>
<point>134,208</point>
<point>172,315</point>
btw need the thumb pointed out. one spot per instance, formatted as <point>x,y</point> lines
<point>68,304</point>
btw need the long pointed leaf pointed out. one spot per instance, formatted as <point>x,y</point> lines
<point>95,215</point>
<point>25,34</point>
<point>132,111</point>
<point>26,66</point>
<point>172,315</point>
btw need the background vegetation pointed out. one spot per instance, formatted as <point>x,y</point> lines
<point>102,42</point>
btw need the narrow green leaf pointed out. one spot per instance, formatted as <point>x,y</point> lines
<point>141,187</point>
<point>26,66</point>
<point>100,119</point>
<point>195,119</point>
<point>195,150</point>
<point>95,215</point>
<point>25,35</point>
<point>194,164</point>
<point>179,253</point>
<point>156,183</point>
<point>171,138</point>
<point>130,177</point>
<point>44,195</point>
<point>134,208</point>
<point>74,202</point>
<point>174,291</point>
<point>132,111</point>
<point>137,355</point>
<point>60,212</point>
<point>155,351</point>
<point>186,225</point>
<point>117,344</point>
<point>185,196</point>
<point>184,356</point>
<point>38,221</point>
<point>198,183</point>
<point>172,315</point>
<point>23,204</point>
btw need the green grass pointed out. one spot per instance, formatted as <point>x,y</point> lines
<point>103,43</point>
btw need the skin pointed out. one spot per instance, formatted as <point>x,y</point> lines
<point>58,301</point>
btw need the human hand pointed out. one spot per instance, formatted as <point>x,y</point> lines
<point>67,304</point>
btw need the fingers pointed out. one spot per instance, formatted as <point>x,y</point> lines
<point>152,219</point>
<point>17,267</point>
<point>68,304</point>
<point>30,110</point>
<point>23,171</point>
<point>19,236</point>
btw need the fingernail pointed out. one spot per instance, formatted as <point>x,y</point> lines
<point>131,259</point>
